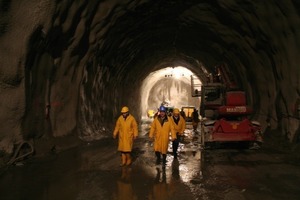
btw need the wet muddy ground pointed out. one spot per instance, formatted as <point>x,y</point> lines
<point>91,172</point>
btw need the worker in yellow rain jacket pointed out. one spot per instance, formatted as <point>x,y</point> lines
<point>179,126</point>
<point>160,130</point>
<point>127,129</point>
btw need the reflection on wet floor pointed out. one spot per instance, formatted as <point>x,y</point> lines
<point>92,172</point>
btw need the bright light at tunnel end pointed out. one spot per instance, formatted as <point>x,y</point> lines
<point>178,73</point>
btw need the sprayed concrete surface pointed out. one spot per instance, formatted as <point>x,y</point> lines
<point>91,171</point>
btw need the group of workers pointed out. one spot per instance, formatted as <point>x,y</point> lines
<point>162,127</point>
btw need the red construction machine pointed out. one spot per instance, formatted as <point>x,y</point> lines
<point>225,112</point>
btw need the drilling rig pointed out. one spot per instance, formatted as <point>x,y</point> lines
<point>225,113</point>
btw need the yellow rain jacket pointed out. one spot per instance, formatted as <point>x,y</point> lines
<point>161,134</point>
<point>127,130</point>
<point>180,127</point>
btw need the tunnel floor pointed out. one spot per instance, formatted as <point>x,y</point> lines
<point>91,171</point>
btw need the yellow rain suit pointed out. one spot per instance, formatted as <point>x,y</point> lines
<point>161,134</point>
<point>180,127</point>
<point>127,130</point>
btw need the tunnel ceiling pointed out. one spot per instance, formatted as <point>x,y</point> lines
<point>166,32</point>
<point>72,54</point>
<point>211,32</point>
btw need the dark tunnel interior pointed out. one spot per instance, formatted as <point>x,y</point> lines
<point>69,66</point>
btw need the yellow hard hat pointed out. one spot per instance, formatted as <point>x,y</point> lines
<point>176,111</point>
<point>125,109</point>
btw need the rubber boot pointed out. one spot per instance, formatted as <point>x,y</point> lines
<point>128,159</point>
<point>164,159</point>
<point>123,159</point>
<point>157,157</point>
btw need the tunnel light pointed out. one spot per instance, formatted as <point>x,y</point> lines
<point>178,72</point>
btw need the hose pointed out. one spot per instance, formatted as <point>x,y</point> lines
<point>15,158</point>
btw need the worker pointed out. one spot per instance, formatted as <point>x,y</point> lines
<point>195,119</point>
<point>160,131</point>
<point>179,127</point>
<point>170,112</point>
<point>127,130</point>
<point>182,113</point>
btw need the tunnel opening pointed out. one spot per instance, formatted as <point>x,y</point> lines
<point>170,86</point>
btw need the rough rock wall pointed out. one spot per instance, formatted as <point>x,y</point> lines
<point>46,51</point>
<point>274,74</point>
<point>64,54</point>
<point>14,37</point>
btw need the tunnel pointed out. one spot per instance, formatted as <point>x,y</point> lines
<point>67,67</point>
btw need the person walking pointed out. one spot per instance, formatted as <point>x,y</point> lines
<point>160,131</point>
<point>179,126</point>
<point>182,113</point>
<point>195,118</point>
<point>127,130</point>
